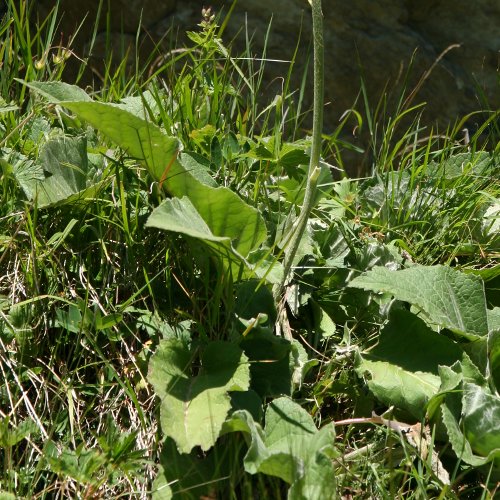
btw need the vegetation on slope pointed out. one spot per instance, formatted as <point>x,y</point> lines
<point>165,332</point>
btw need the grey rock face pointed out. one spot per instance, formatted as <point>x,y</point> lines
<point>126,15</point>
<point>373,38</point>
<point>379,38</point>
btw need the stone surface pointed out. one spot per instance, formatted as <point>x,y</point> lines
<point>126,15</point>
<point>376,39</point>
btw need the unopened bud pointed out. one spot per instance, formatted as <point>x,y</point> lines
<point>40,64</point>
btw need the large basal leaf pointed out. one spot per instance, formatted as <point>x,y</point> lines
<point>194,406</point>
<point>481,420</point>
<point>460,445</point>
<point>479,163</point>
<point>494,346</point>
<point>390,384</point>
<point>180,216</point>
<point>223,211</point>
<point>471,414</point>
<point>270,367</point>
<point>68,176</point>
<point>447,297</point>
<point>403,369</point>
<point>62,173</point>
<point>58,91</point>
<point>186,476</point>
<point>290,447</point>
<point>25,171</point>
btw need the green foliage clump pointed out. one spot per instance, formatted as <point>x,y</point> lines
<point>193,303</point>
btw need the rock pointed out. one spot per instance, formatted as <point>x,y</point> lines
<point>378,40</point>
<point>448,53</point>
<point>125,17</point>
<point>451,47</point>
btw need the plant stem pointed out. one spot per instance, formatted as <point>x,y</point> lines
<point>314,169</point>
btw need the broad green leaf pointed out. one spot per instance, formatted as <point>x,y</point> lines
<point>6,108</point>
<point>27,173</point>
<point>447,297</point>
<point>300,364</point>
<point>179,215</point>
<point>186,476</point>
<point>474,438</point>
<point>270,362</point>
<point>486,274</point>
<point>494,356</point>
<point>70,320</point>
<point>323,323</point>
<point>242,421</point>
<point>298,452</point>
<point>161,489</point>
<point>408,342</point>
<point>490,224</point>
<point>390,384</point>
<point>108,321</point>
<point>318,480</point>
<point>403,369</point>
<point>481,419</point>
<point>295,189</point>
<point>5,495</point>
<point>11,435</point>
<point>470,413</point>
<point>293,154</point>
<point>58,91</point>
<point>82,464</point>
<point>493,319</point>
<point>68,177</point>
<point>194,407</point>
<point>223,211</point>
<point>473,163</point>
<point>138,105</point>
<point>252,298</point>
<point>249,401</point>
<point>460,445</point>
<point>290,447</point>
<point>279,429</point>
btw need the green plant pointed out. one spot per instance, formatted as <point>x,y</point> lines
<point>146,256</point>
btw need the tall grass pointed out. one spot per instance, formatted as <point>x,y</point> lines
<point>87,291</point>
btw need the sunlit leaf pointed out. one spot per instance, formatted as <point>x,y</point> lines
<point>448,298</point>
<point>290,447</point>
<point>403,369</point>
<point>194,406</point>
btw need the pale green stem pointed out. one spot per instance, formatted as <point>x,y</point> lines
<point>314,169</point>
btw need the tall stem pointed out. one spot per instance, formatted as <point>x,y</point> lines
<point>314,169</point>
<point>319,84</point>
